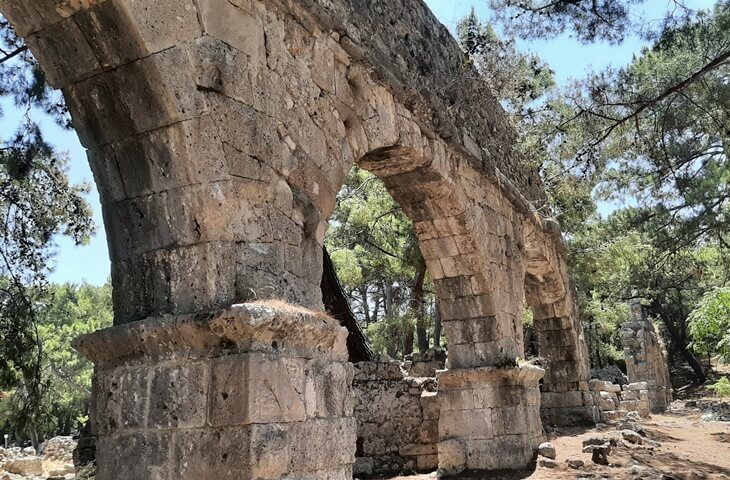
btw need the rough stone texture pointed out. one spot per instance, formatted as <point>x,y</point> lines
<point>646,358</point>
<point>486,412</point>
<point>59,449</point>
<point>397,420</point>
<point>220,131</point>
<point>615,400</point>
<point>237,394</point>
<point>425,364</point>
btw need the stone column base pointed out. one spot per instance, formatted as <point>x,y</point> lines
<point>490,418</point>
<point>570,409</point>
<point>251,392</point>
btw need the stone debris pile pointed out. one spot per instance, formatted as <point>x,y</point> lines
<point>55,461</point>
<point>616,400</point>
<point>425,364</point>
<point>714,411</point>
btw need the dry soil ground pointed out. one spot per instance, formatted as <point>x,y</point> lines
<point>688,449</point>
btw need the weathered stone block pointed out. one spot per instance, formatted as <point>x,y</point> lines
<point>178,396</point>
<point>53,46</point>
<point>235,26</point>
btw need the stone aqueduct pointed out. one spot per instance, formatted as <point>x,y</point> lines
<point>219,132</point>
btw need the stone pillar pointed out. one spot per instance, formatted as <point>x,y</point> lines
<point>646,358</point>
<point>490,418</point>
<point>489,404</point>
<point>251,392</point>
<point>566,398</point>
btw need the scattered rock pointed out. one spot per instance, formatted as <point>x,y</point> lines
<point>574,462</point>
<point>715,411</point>
<point>10,476</point>
<point>24,466</point>
<point>631,437</point>
<point>598,441</point>
<point>600,454</point>
<point>59,449</point>
<point>631,425</point>
<point>633,416</point>
<point>547,449</point>
<point>544,462</point>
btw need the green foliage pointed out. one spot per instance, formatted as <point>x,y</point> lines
<point>721,387</point>
<point>66,312</point>
<point>375,252</point>
<point>709,325</point>
<point>516,78</point>
<point>388,335</point>
<point>589,20</point>
<point>37,202</point>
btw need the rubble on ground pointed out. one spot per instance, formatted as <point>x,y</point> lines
<point>54,463</point>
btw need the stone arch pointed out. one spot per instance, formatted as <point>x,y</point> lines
<point>566,399</point>
<point>219,132</point>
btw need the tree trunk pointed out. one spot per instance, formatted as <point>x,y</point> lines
<point>365,305</point>
<point>417,304</point>
<point>436,324</point>
<point>387,297</point>
<point>408,342</point>
<point>680,344</point>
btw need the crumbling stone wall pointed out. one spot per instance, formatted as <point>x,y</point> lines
<point>220,131</point>
<point>425,364</point>
<point>397,420</point>
<point>615,400</point>
<point>646,357</point>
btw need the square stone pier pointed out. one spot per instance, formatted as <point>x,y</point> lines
<point>490,418</point>
<point>250,392</point>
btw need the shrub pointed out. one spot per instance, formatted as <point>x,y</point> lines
<point>721,387</point>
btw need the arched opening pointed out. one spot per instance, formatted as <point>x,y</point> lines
<point>383,275</point>
<point>375,250</point>
<point>565,399</point>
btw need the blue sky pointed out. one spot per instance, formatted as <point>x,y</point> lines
<point>568,58</point>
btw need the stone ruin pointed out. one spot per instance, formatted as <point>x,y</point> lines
<point>397,420</point>
<point>425,364</point>
<point>646,358</point>
<point>617,400</point>
<point>55,461</point>
<point>219,132</point>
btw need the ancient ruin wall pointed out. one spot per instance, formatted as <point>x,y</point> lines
<point>397,420</point>
<point>646,357</point>
<point>219,132</point>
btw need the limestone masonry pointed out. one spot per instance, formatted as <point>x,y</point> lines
<point>219,133</point>
<point>646,358</point>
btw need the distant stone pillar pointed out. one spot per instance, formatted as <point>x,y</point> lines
<point>646,357</point>
<point>566,398</point>
<point>250,392</point>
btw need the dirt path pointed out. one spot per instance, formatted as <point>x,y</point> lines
<point>689,449</point>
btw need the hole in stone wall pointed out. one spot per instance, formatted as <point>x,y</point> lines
<point>529,333</point>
